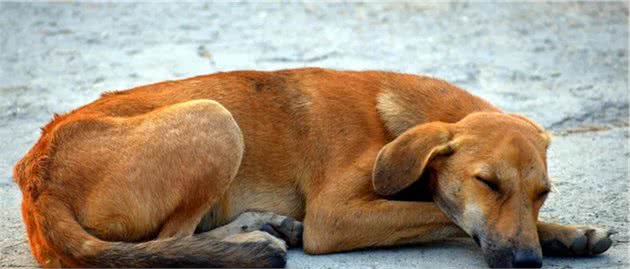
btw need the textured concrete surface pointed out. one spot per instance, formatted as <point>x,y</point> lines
<point>563,64</point>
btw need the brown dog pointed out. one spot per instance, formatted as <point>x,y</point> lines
<point>144,177</point>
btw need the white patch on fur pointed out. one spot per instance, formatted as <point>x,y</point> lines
<point>472,216</point>
<point>397,112</point>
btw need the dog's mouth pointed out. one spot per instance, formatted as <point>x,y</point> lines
<point>498,258</point>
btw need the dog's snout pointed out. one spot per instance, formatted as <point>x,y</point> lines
<point>527,258</point>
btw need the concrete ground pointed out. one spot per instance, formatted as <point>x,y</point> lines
<point>563,64</point>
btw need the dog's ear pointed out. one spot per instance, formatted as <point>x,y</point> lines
<point>401,162</point>
<point>546,136</point>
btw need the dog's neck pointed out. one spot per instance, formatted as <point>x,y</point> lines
<point>403,107</point>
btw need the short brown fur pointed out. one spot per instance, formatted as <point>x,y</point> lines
<point>323,146</point>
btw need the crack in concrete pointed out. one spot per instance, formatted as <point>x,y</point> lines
<point>589,129</point>
<point>609,113</point>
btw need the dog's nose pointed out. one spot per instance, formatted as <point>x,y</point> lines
<point>527,258</point>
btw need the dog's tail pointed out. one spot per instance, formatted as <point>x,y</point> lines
<point>76,247</point>
<point>66,235</point>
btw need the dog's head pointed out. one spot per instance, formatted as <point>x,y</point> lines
<point>487,172</point>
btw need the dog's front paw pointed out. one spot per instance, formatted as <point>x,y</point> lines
<point>582,241</point>
<point>592,240</point>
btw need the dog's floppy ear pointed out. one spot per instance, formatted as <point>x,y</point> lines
<point>544,134</point>
<point>401,162</point>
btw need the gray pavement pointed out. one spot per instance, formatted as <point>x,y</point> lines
<point>563,64</point>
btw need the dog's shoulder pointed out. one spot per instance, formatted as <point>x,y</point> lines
<point>406,100</point>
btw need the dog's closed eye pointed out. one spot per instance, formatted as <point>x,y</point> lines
<point>489,183</point>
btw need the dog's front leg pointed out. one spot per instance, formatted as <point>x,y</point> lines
<point>346,214</point>
<point>573,240</point>
<point>360,224</point>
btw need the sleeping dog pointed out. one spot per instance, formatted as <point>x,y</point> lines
<point>222,170</point>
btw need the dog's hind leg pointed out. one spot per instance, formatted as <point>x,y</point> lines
<point>158,173</point>
<point>215,147</point>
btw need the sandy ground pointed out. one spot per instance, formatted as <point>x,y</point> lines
<point>563,64</point>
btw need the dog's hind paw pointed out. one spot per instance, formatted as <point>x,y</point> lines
<point>282,227</point>
<point>260,248</point>
<point>585,241</point>
<point>289,230</point>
